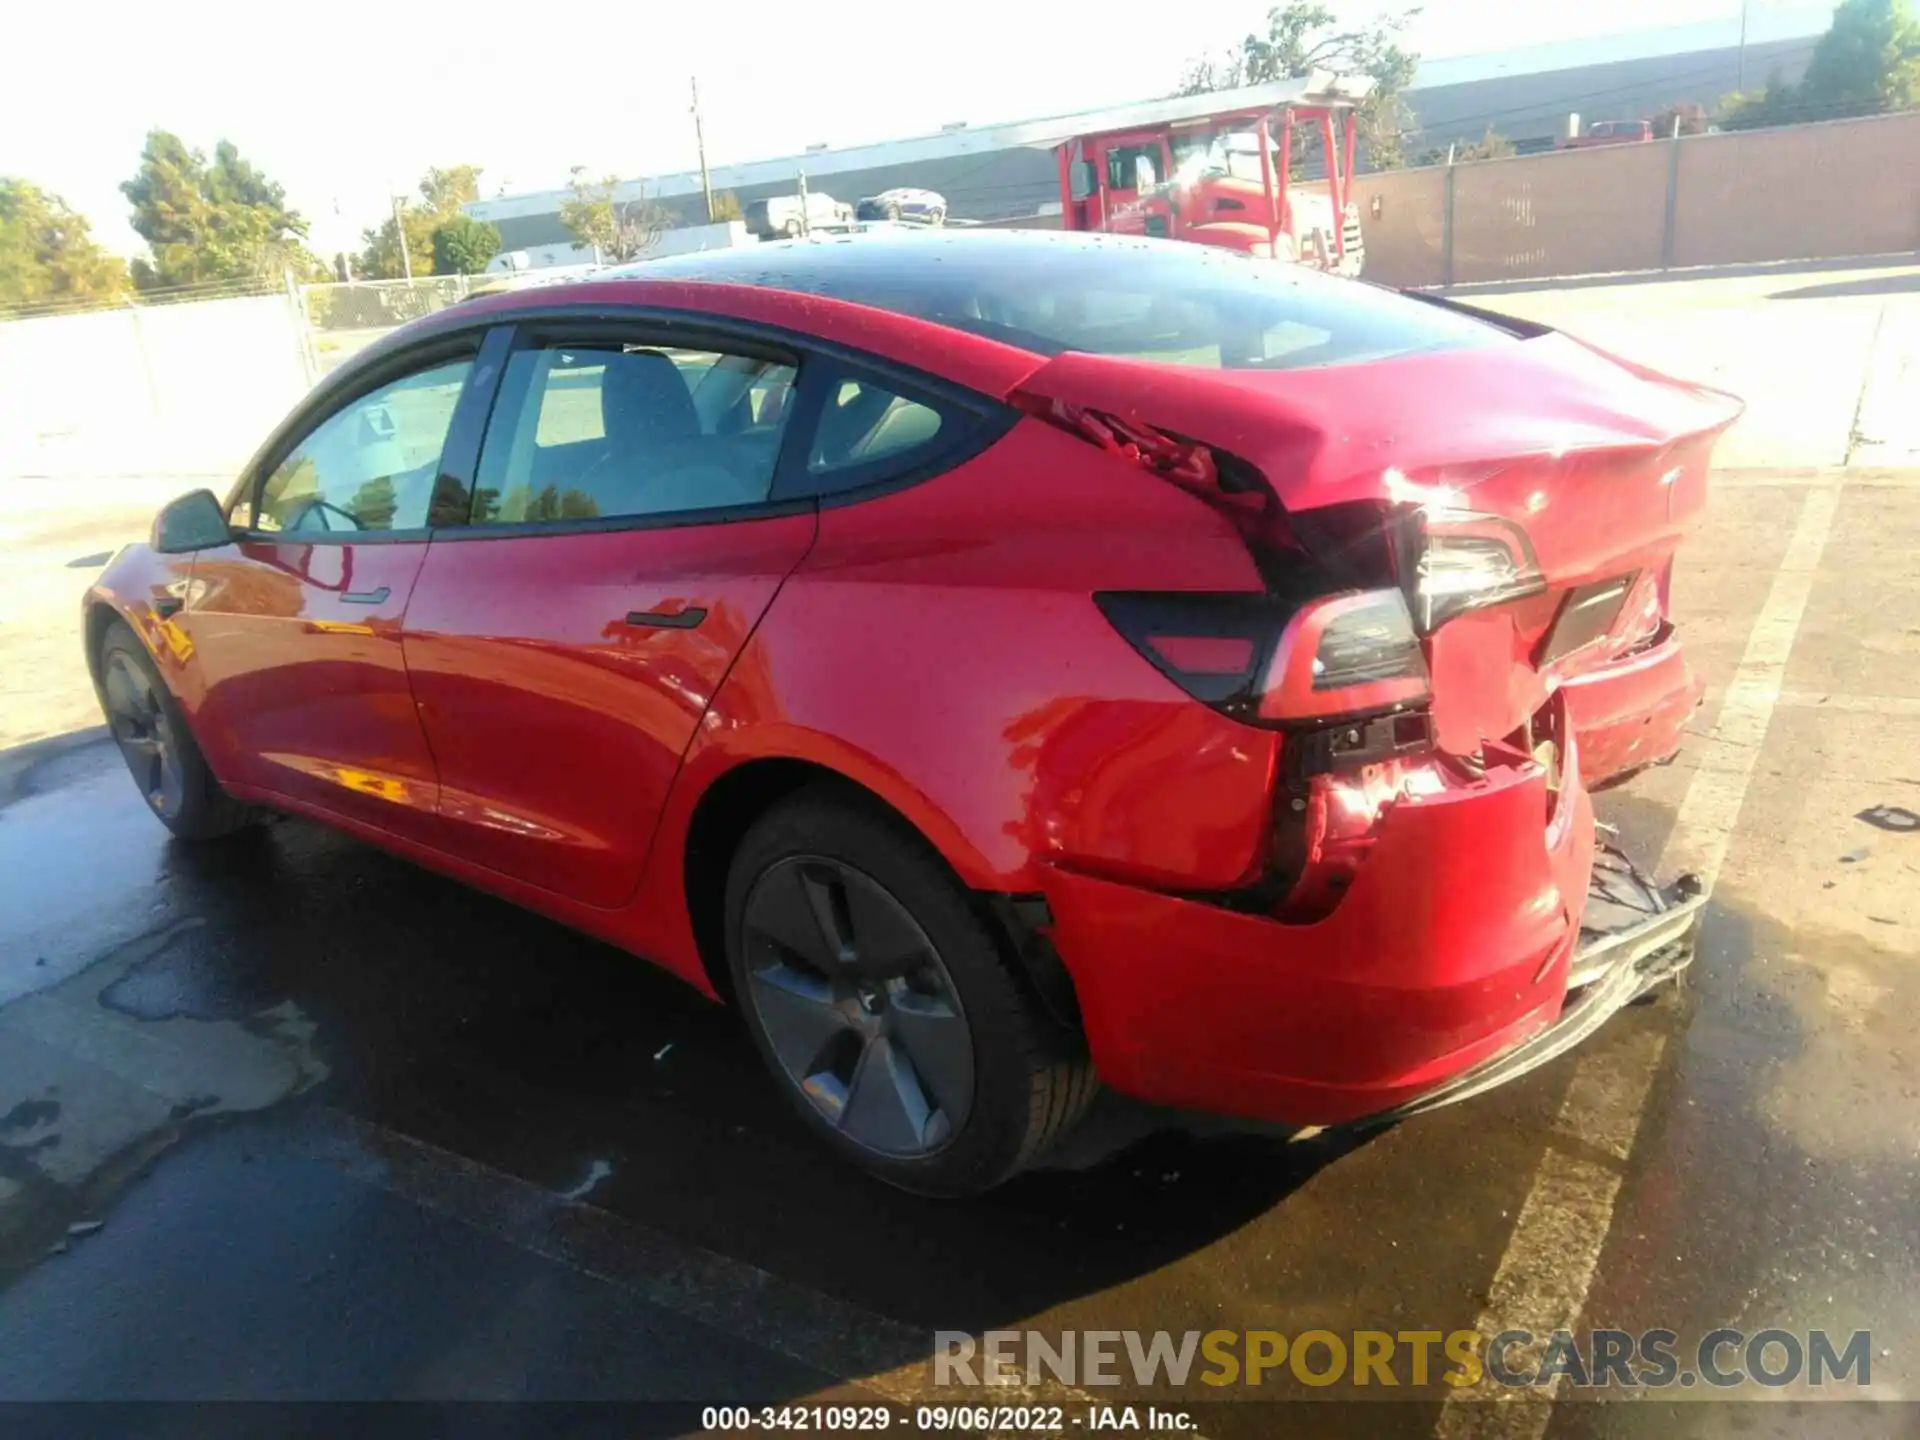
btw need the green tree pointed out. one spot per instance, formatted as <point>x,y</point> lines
<point>47,253</point>
<point>441,193</point>
<point>210,220</point>
<point>1490,146</point>
<point>616,230</point>
<point>726,206</point>
<point>463,245</point>
<point>1303,36</point>
<point>1867,63</point>
<point>1691,119</point>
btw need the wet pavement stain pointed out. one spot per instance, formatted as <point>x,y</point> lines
<point>136,1055</point>
<point>29,1115</point>
<point>176,980</point>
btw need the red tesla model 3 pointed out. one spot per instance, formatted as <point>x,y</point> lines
<point>1000,664</point>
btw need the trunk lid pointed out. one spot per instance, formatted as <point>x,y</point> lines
<point>1599,463</point>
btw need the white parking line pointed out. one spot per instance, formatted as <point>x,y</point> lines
<point>1604,1101</point>
<point>1543,1278</point>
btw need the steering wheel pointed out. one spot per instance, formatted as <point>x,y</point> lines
<point>317,504</point>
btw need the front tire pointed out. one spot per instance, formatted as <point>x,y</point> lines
<point>875,993</point>
<point>166,764</point>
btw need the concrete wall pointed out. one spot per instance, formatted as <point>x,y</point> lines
<point>179,389</point>
<point>1806,192</point>
<point>1809,192</point>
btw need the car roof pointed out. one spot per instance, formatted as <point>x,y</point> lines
<point>810,265</point>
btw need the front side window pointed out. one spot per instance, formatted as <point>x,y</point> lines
<point>602,429</point>
<point>369,466</point>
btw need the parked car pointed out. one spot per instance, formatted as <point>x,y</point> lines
<point>1611,132</point>
<point>997,663</point>
<point>919,207</point>
<point>786,217</point>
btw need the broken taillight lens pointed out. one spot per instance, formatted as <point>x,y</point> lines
<point>1465,562</point>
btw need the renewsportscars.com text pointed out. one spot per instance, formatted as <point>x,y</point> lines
<point>1513,1359</point>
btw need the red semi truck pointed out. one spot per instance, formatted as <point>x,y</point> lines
<point>1217,176</point>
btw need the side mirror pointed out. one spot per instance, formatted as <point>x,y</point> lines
<point>1080,180</point>
<point>193,522</point>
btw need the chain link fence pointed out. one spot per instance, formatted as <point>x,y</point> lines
<point>342,318</point>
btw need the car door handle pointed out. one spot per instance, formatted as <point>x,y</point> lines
<point>668,619</point>
<point>364,597</point>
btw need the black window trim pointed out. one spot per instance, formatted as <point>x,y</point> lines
<point>482,347</point>
<point>794,491</point>
<point>488,338</point>
<point>548,330</point>
<point>964,432</point>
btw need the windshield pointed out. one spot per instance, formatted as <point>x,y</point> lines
<point>1169,301</point>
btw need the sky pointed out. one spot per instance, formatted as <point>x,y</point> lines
<point>344,105</point>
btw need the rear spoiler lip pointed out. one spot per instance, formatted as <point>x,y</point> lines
<point>1513,324</point>
<point>1310,458</point>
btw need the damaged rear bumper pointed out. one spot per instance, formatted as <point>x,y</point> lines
<point>1635,936</point>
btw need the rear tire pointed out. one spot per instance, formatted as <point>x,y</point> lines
<point>876,994</point>
<point>166,764</point>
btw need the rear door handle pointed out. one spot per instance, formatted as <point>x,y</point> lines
<point>364,597</point>
<point>668,619</point>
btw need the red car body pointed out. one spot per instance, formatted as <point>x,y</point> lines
<point>486,704</point>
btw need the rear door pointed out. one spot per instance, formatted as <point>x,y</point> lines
<point>296,624</point>
<point>622,545</point>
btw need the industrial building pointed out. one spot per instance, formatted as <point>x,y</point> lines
<point>1005,172</point>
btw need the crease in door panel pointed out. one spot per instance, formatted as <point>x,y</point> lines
<point>653,835</point>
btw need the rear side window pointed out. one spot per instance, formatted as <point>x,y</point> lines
<point>602,429</point>
<point>873,427</point>
<point>371,464</point>
<point>863,421</point>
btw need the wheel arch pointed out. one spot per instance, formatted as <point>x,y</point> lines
<point>99,614</point>
<point>738,796</point>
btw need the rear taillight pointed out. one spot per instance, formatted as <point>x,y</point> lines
<point>1346,655</point>
<point>1465,562</point>
<point>1213,646</point>
<point>1344,676</point>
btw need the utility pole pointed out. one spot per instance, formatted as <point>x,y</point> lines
<point>700,143</point>
<point>1740,84</point>
<point>400,231</point>
<point>806,220</point>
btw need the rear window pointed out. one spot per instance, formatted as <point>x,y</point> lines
<point>1169,301</point>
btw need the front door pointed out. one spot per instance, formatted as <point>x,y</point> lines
<point>296,624</point>
<point>1134,171</point>
<point>564,647</point>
